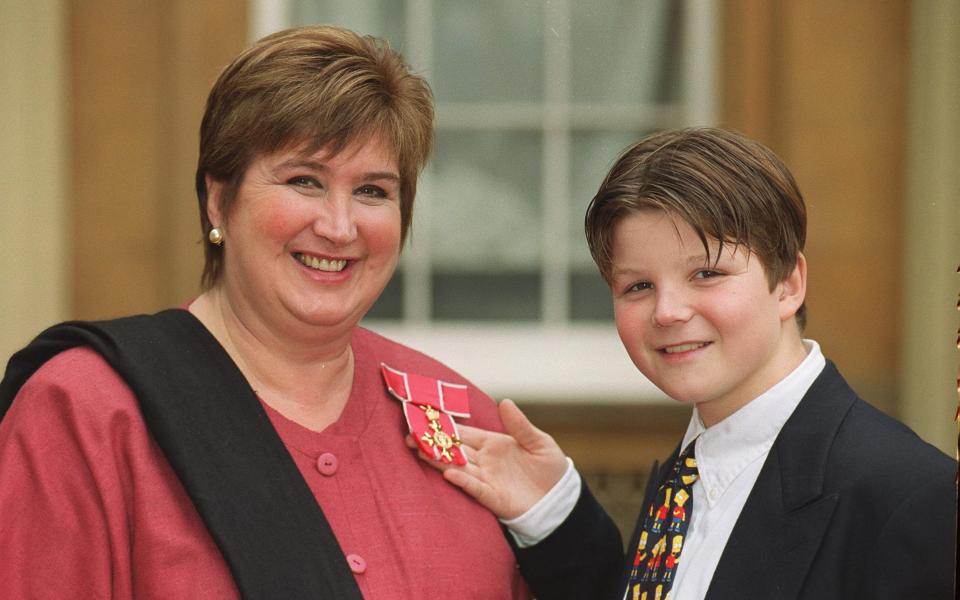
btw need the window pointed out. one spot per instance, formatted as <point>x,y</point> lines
<point>535,99</point>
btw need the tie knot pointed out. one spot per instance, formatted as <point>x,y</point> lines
<point>685,469</point>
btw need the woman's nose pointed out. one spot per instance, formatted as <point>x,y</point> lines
<point>335,219</point>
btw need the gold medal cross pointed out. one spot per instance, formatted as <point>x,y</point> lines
<point>438,438</point>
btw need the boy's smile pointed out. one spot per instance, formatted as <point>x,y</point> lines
<point>708,332</point>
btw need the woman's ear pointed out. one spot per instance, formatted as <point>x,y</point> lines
<point>793,289</point>
<point>214,200</point>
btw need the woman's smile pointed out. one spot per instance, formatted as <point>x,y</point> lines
<point>321,264</point>
<point>313,238</point>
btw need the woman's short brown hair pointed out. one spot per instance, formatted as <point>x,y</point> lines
<point>322,86</point>
<point>725,186</point>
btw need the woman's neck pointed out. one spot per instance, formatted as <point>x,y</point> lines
<point>306,379</point>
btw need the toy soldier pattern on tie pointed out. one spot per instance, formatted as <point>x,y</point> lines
<point>664,531</point>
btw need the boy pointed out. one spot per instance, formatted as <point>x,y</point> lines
<point>788,484</point>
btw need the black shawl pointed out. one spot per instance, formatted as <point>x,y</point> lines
<point>220,442</point>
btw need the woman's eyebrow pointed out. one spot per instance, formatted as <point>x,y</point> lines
<point>381,175</point>
<point>299,162</point>
<point>315,165</point>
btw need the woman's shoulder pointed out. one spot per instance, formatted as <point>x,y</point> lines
<point>77,367</point>
<point>77,383</point>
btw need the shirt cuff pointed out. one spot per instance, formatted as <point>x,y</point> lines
<point>549,512</point>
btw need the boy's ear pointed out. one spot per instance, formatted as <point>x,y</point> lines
<point>214,196</point>
<point>793,289</point>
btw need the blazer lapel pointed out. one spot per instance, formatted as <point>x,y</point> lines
<point>785,518</point>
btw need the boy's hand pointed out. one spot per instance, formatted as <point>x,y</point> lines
<point>505,472</point>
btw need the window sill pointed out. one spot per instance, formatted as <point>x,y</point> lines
<point>531,362</point>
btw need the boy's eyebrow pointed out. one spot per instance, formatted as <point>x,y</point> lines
<point>700,258</point>
<point>630,272</point>
<point>695,259</point>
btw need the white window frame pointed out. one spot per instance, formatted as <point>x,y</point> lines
<point>553,360</point>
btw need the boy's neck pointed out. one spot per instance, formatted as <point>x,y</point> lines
<point>790,354</point>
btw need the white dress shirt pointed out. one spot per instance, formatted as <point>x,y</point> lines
<point>549,512</point>
<point>729,456</point>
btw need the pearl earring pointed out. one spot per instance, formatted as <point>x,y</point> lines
<point>215,236</point>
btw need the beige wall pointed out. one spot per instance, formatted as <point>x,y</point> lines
<point>824,83</point>
<point>140,72</point>
<point>34,208</point>
<point>932,226</point>
<point>860,99</point>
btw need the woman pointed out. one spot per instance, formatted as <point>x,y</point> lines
<point>253,444</point>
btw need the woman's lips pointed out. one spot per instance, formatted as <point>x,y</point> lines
<point>330,265</point>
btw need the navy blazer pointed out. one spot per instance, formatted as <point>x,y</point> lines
<point>849,504</point>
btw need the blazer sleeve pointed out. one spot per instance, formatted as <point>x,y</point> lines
<point>582,558</point>
<point>916,551</point>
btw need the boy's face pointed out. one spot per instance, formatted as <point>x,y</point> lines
<point>708,333</point>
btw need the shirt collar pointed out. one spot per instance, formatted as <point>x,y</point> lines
<point>724,450</point>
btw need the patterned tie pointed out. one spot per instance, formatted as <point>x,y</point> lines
<point>664,529</point>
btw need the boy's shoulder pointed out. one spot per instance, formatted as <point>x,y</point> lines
<point>876,437</point>
<point>863,447</point>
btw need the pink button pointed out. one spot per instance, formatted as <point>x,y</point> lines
<point>327,464</point>
<point>357,564</point>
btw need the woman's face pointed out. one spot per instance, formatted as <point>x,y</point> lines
<point>311,239</point>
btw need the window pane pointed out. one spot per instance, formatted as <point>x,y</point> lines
<point>590,297</point>
<point>592,154</point>
<point>381,18</point>
<point>634,41</point>
<point>484,204</point>
<point>390,303</point>
<point>494,296</point>
<point>488,51</point>
<point>483,207</point>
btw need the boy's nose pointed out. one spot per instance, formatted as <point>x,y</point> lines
<point>671,308</point>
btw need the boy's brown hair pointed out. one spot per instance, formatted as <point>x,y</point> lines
<point>725,186</point>
<point>320,86</point>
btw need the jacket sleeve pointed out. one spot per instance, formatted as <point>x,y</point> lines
<point>582,558</point>
<point>54,531</point>
<point>89,507</point>
<point>916,552</point>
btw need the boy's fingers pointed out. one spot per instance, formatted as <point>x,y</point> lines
<point>475,488</point>
<point>474,436</point>
<point>516,424</point>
